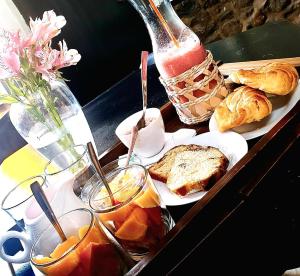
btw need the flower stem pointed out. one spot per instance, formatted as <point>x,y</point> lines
<point>39,100</point>
<point>66,141</point>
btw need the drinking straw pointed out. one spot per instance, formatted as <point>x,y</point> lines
<point>164,23</point>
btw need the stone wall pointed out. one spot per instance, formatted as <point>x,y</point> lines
<point>215,19</point>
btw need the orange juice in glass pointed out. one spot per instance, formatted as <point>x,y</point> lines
<point>137,217</point>
<point>87,251</point>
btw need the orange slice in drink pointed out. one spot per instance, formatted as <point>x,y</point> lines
<point>94,235</point>
<point>135,227</point>
<point>65,266</point>
<point>119,215</point>
<point>148,199</point>
<point>43,260</point>
<point>63,247</point>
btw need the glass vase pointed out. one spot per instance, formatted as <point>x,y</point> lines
<point>52,120</point>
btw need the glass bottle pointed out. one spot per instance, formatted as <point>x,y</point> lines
<point>171,57</point>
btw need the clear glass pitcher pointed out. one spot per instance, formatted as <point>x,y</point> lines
<point>171,58</point>
<point>187,71</point>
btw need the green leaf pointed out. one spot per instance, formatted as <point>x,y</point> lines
<point>14,89</point>
<point>7,99</point>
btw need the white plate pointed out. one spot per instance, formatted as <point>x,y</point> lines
<point>281,105</point>
<point>233,145</point>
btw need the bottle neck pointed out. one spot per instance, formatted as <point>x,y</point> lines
<point>171,58</point>
<point>159,36</point>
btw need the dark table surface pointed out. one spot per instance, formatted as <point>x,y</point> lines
<point>104,113</point>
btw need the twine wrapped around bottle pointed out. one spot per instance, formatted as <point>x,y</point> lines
<point>196,92</point>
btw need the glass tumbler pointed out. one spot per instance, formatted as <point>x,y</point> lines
<point>22,207</point>
<point>73,169</point>
<point>87,250</point>
<point>136,216</point>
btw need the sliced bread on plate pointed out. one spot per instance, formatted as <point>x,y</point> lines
<point>161,169</point>
<point>196,170</point>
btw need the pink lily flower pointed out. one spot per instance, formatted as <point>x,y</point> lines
<point>66,57</point>
<point>11,60</point>
<point>34,52</point>
<point>43,30</point>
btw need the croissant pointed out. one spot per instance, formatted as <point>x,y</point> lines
<point>274,78</point>
<point>244,105</point>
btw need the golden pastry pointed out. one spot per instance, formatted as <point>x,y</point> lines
<point>244,105</point>
<point>274,78</point>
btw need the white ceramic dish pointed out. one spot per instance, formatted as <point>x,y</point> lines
<point>150,139</point>
<point>281,106</point>
<point>233,145</point>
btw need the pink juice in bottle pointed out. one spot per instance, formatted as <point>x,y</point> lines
<point>176,60</point>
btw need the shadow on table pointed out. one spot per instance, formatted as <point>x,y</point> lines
<point>10,139</point>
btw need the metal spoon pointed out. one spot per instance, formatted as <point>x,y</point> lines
<point>45,206</point>
<point>98,167</point>
<point>134,133</point>
<point>144,60</point>
<point>126,257</point>
<point>141,122</point>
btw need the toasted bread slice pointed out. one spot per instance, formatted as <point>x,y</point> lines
<point>196,170</point>
<point>161,169</point>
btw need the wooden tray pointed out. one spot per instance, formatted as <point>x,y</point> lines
<point>198,221</point>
